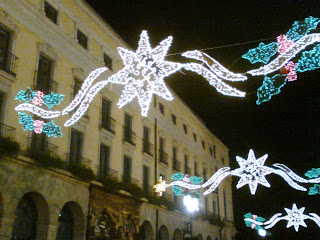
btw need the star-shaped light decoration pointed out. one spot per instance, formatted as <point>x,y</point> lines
<point>144,71</point>
<point>161,186</point>
<point>296,217</point>
<point>252,171</point>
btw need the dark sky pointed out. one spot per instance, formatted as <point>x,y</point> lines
<point>287,127</point>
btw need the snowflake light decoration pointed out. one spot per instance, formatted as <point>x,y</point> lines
<point>295,218</point>
<point>252,171</point>
<point>161,186</point>
<point>146,69</point>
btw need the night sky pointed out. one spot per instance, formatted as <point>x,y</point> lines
<point>287,127</point>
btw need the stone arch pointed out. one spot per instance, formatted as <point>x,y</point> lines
<point>163,233</point>
<point>146,231</point>
<point>71,222</point>
<point>208,238</point>
<point>32,217</point>
<point>177,235</point>
<point>200,237</point>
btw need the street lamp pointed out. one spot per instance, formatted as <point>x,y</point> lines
<point>262,232</point>
<point>192,205</point>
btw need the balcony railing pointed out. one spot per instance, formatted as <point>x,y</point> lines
<point>147,147</point>
<point>129,179</point>
<point>38,144</point>
<point>7,131</point>
<point>107,172</point>
<point>45,84</point>
<point>107,122</point>
<point>176,165</point>
<point>163,157</point>
<point>129,136</point>
<point>73,159</point>
<point>8,62</point>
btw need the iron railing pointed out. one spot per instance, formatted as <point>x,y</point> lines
<point>39,144</point>
<point>73,159</point>
<point>129,179</point>
<point>176,165</point>
<point>45,84</point>
<point>8,62</point>
<point>107,172</point>
<point>7,131</point>
<point>129,135</point>
<point>147,147</point>
<point>163,157</point>
<point>107,122</point>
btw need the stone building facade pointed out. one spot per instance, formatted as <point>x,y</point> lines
<point>53,45</point>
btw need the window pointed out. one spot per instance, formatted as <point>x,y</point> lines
<point>186,164</point>
<point>222,159</point>
<point>107,121</point>
<point>204,173</point>
<point>185,129</point>
<point>214,151</point>
<point>104,160</point>
<point>174,119</point>
<point>82,39</point>
<point>203,145</point>
<point>8,61</point>
<point>214,208</point>
<point>107,61</point>
<point>1,104</point>
<point>75,151</point>
<point>77,86</point>
<point>224,204</point>
<point>128,134</point>
<point>206,204</point>
<point>146,145</point>
<point>127,169</point>
<point>162,153</point>
<point>44,82</point>
<point>195,137</point>
<point>196,169</point>
<point>210,150</point>
<point>145,179</point>
<point>174,153</point>
<point>161,107</point>
<point>50,12</point>
<point>38,142</point>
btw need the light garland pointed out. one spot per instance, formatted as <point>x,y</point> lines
<point>262,53</point>
<point>310,60</point>
<point>295,218</point>
<point>251,171</point>
<point>301,28</point>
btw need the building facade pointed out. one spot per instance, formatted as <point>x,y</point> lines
<point>52,46</point>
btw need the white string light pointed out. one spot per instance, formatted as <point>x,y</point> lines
<point>285,57</point>
<point>215,66</point>
<point>38,111</point>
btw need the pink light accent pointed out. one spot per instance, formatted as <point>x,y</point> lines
<point>40,94</point>
<point>186,178</point>
<point>291,66</point>
<point>38,123</point>
<point>284,43</point>
<point>38,130</point>
<point>292,76</point>
<point>254,217</point>
<point>37,101</point>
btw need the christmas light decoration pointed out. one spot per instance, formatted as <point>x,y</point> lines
<point>26,96</point>
<point>262,53</point>
<point>291,68</point>
<point>26,121</point>
<point>214,80</point>
<point>301,28</point>
<point>295,218</point>
<point>313,173</point>
<point>310,60</point>
<point>177,190</point>
<point>253,217</point>
<point>215,66</point>
<point>285,57</point>
<point>283,43</point>
<point>161,186</point>
<point>314,190</point>
<point>252,171</point>
<point>38,111</point>
<point>271,86</point>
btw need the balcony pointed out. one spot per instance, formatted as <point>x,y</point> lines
<point>45,83</point>
<point>148,189</point>
<point>8,62</point>
<point>129,179</point>
<point>107,122</point>
<point>41,145</point>
<point>147,147</point>
<point>7,131</point>
<point>129,136</point>
<point>108,172</point>
<point>163,157</point>
<point>176,165</point>
<point>73,159</point>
